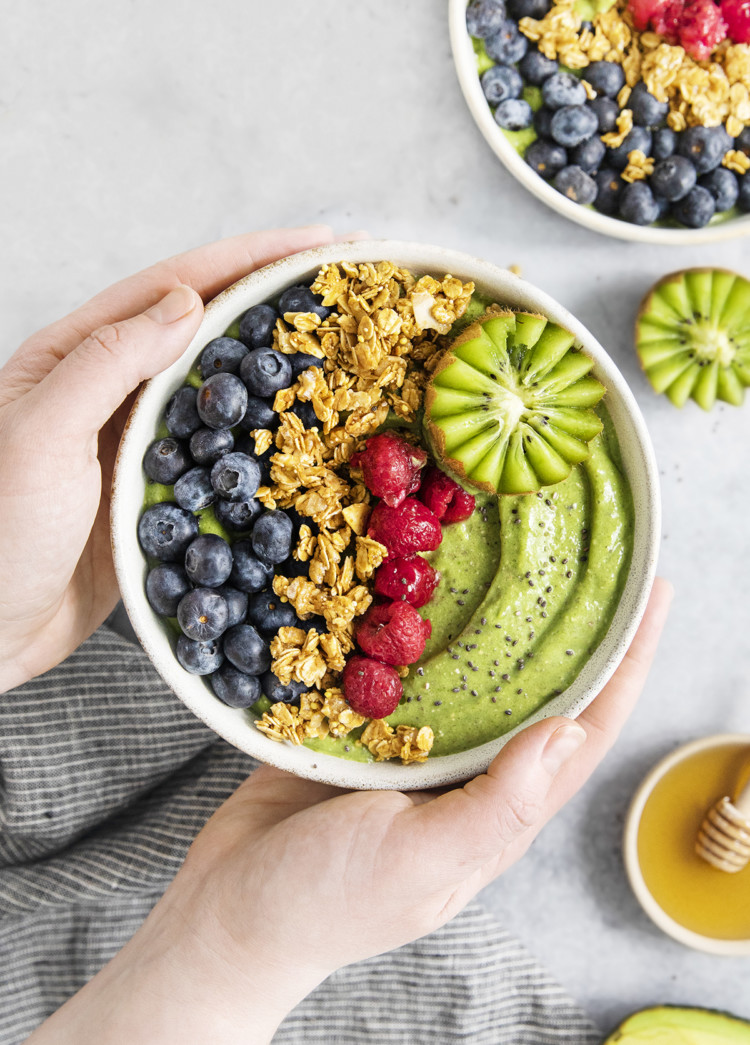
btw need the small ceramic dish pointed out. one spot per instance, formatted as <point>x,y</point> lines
<point>731,745</point>
<point>466,68</point>
<point>129,484</point>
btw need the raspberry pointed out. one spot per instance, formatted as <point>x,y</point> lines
<point>371,689</point>
<point>392,468</point>
<point>666,20</point>
<point>411,580</point>
<point>410,528</point>
<point>393,632</point>
<point>701,28</point>
<point>644,11</point>
<point>445,497</point>
<point>736,14</point>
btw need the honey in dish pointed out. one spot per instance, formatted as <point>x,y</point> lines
<point>693,893</point>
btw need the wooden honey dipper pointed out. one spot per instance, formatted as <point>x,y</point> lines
<point>724,836</point>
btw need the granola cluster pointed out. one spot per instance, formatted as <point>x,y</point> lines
<point>377,347</point>
<point>708,93</point>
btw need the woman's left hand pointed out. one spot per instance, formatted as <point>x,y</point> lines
<point>64,398</point>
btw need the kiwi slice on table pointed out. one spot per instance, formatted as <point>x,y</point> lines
<point>508,407</point>
<point>693,336</point>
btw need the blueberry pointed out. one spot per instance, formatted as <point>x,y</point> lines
<point>543,120</point>
<point>673,178</point>
<point>501,82</point>
<point>165,586</point>
<point>235,477</point>
<point>306,413</point>
<point>576,185</point>
<point>199,658</point>
<point>572,124</point>
<point>696,209</point>
<point>165,530</point>
<point>249,574</point>
<point>300,361</point>
<point>265,371</point>
<point>484,17</point>
<point>223,355</point>
<point>589,154</point>
<point>234,687</point>
<point>638,138</point>
<point>705,146</point>
<point>563,89</point>
<point>276,691</point>
<point>742,141</point>
<point>607,78</point>
<point>208,561</point>
<point>222,401</point>
<point>207,445</point>
<point>606,111</point>
<point>507,45</point>
<point>743,199</point>
<point>236,601</point>
<point>647,110</point>
<point>663,208</point>
<point>193,490</point>
<point>637,204</point>
<point>272,536</point>
<point>536,68</point>
<point>514,114</point>
<point>267,613</point>
<point>723,186</point>
<point>237,515</point>
<point>259,414</point>
<point>244,647</point>
<point>546,158</point>
<point>529,8</point>
<point>257,325</point>
<point>609,186</point>
<point>301,299</point>
<point>664,143</point>
<point>166,460</point>
<point>202,614</point>
<point>181,414</point>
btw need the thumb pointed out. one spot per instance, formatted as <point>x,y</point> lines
<point>85,388</point>
<point>468,827</point>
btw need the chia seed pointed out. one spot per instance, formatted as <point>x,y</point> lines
<point>454,656</point>
<point>460,602</point>
<point>437,703</point>
<point>544,613</point>
<point>474,693</point>
<point>508,711</point>
<point>548,588</point>
<point>492,674</point>
<point>568,652</point>
<point>420,671</point>
<point>494,700</point>
<point>519,691</point>
<point>568,573</point>
<point>465,591</point>
<point>506,678</point>
<point>496,663</point>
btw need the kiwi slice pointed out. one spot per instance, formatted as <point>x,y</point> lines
<point>693,336</point>
<point>508,407</point>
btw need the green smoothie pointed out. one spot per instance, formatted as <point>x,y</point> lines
<point>528,589</point>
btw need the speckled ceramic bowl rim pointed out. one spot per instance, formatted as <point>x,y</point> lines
<point>731,948</point>
<point>466,68</point>
<point>128,491</point>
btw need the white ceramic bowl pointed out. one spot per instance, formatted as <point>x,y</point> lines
<point>466,67</point>
<point>234,725</point>
<point>699,942</point>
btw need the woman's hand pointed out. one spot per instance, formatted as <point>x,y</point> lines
<point>64,397</point>
<point>290,880</point>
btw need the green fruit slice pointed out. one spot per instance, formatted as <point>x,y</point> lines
<point>509,406</point>
<point>692,336</point>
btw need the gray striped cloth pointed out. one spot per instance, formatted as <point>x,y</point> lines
<point>105,778</point>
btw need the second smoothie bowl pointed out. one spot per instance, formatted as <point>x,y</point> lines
<point>392,505</point>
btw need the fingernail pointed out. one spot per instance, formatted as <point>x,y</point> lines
<point>347,237</point>
<point>563,743</point>
<point>174,306</point>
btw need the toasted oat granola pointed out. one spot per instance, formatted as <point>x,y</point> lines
<point>377,347</point>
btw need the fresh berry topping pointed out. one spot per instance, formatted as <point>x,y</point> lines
<point>444,497</point>
<point>371,689</point>
<point>701,28</point>
<point>736,14</point>
<point>393,632</point>
<point>410,528</point>
<point>391,467</point>
<point>411,580</point>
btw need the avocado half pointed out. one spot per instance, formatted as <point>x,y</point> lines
<point>674,1025</point>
